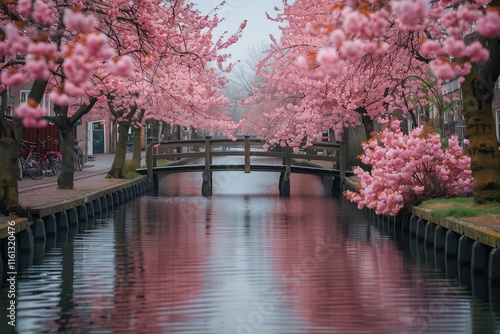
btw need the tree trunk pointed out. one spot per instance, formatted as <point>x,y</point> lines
<point>12,132</point>
<point>478,93</point>
<point>9,193</point>
<point>116,170</point>
<point>9,151</point>
<point>65,125</point>
<point>136,154</point>
<point>368,124</point>
<point>155,129</point>
<point>65,178</point>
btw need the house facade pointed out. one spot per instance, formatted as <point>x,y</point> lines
<point>454,120</point>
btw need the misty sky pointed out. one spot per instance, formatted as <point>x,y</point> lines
<point>235,12</point>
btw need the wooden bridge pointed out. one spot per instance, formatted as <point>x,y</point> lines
<point>324,154</point>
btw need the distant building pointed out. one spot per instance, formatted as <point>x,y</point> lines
<point>496,108</point>
<point>453,121</point>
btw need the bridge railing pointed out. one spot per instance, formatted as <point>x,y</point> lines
<point>330,155</point>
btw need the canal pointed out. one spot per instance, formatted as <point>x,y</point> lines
<point>245,261</point>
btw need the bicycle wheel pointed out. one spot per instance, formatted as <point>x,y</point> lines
<point>19,169</point>
<point>55,163</point>
<point>36,166</point>
<point>75,161</point>
<point>79,160</point>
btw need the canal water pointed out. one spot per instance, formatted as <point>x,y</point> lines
<point>246,261</point>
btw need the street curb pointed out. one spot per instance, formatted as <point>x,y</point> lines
<point>31,187</point>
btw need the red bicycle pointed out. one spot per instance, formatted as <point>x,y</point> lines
<point>53,158</point>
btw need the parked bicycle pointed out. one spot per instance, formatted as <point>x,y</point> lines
<point>52,158</point>
<point>78,155</point>
<point>34,164</point>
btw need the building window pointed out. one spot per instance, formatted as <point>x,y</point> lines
<point>45,101</point>
<point>24,95</point>
<point>450,87</point>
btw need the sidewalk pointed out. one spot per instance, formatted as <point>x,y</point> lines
<point>37,193</point>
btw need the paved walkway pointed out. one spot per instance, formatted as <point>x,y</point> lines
<point>39,193</point>
<point>36,193</point>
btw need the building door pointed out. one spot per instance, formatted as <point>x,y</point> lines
<point>98,137</point>
<point>90,149</point>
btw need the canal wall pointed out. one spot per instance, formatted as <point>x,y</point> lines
<point>471,243</point>
<point>57,213</point>
<point>435,260</point>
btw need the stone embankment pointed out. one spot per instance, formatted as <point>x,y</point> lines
<point>51,210</point>
<point>473,241</point>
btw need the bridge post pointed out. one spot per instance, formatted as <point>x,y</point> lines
<point>247,154</point>
<point>206,186</point>
<point>343,163</point>
<point>149,160</point>
<point>284,184</point>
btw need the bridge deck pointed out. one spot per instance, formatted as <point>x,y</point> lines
<point>237,167</point>
<point>332,154</point>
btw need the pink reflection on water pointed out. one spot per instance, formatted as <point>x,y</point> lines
<point>343,284</point>
<point>160,274</point>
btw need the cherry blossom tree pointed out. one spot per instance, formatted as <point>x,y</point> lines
<point>177,77</point>
<point>60,48</point>
<point>457,39</point>
<point>73,49</point>
<point>33,48</point>
<point>354,91</point>
<point>408,169</point>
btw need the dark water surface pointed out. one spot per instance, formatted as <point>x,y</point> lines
<point>246,261</point>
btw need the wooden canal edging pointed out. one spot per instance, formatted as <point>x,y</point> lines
<point>472,244</point>
<point>468,244</point>
<point>46,220</point>
<point>333,155</point>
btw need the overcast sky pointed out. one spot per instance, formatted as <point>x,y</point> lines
<point>235,12</point>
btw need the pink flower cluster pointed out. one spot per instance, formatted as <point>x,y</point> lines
<point>360,29</point>
<point>84,52</point>
<point>31,115</point>
<point>408,169</point>
<point>411,13</point>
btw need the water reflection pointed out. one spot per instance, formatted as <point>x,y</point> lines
<point>342,284</point>
<point>246,261</point>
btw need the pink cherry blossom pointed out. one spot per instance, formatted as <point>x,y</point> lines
<point>12,77</point>
<point>454,47</point>
<point>477,53</point>
<point>31,115</point>
<point>411,13</point>
<point>124,66</point>
<point>42,13</point>
<point>60,99</point>
<point>352,50</point>
<point>432,48</point>
<point>467,15</point>
<point>330,62</point>
<point>337,36</point>
<point>354,22</point>
<point>78,21</point>
<point>24,7</point>
<point>409,168</point>
<point>489,25</point>
<point>463,69</point>
<point>95,43</point>
<point>37,67</point>
<point>442,69</point>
